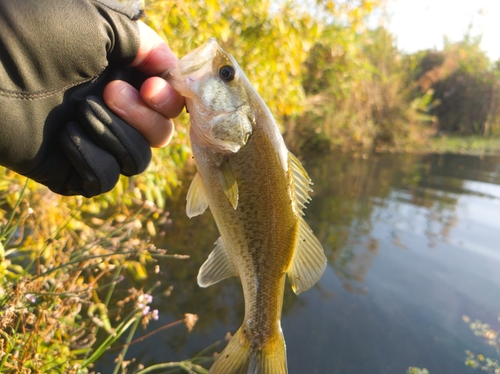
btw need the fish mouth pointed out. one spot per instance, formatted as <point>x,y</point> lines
<point>196,59</point>
<point>167,74</point>
<point>190,66</point>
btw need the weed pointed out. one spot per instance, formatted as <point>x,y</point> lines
<point>60,262</point>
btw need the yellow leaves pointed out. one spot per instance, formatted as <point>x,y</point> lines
<point>354,15</point>
<point>151,228</point>
<point>281,25</point>
<point>270,41</point>
<point>331,6</point>
<point>275,43</point>
<point>224,33</point>
<point>213,5</point>
<point>99,315</point>
<point>137,270</point>
<point>370,5</point>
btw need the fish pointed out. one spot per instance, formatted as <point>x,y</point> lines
<point>256,191</point>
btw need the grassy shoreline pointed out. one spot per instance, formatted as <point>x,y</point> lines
<point>471,145</point>
<point>465,145</point>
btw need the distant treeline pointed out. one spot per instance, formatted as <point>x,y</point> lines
<point>465,88</point>
<point>393,100</point>
<point>332,81</point>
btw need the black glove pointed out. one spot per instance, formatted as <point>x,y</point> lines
<point>56,56</point>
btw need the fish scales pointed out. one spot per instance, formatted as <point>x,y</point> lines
<point>256,191</point>
<point>261,233</point>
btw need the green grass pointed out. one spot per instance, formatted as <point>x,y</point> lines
<point>473,145</point>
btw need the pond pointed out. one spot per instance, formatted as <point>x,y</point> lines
<point>413,247</point>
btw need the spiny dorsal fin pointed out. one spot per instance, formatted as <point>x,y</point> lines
<point>228,183</point>
<point>308,262</point>
<point>196,198</point>
<point>301,182</point>
<point>217,266</point>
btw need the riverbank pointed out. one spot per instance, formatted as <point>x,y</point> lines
<point>465,145</point>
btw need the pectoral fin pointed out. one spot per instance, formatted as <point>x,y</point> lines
<point>196,198</point>
<point>228,183</point>
<point>217,266</point>
<point>300,181</point>
<point>308,262</point>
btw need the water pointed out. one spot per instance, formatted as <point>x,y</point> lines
<point>413,244</point>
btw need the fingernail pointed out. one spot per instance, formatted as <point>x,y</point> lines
<point>162,96</point>
<point>126,98</point>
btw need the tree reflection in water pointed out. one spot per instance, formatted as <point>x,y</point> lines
<point>404,194</point>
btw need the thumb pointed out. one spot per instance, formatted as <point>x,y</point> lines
<point>154,55</point>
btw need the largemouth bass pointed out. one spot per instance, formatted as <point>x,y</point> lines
<point>256,191</point>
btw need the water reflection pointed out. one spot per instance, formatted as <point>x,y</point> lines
<point>412,246</point>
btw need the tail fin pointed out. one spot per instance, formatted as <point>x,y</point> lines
<point>239,357</point>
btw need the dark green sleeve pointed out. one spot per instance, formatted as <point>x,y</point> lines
<point>56,56</point>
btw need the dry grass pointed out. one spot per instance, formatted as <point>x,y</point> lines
<point>61,260</point>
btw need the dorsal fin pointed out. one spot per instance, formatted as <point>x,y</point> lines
<point>228,183</point>
<point>196,198</point>
<point>309,260</point>
<point>300,182</point>
<point>217,266</point>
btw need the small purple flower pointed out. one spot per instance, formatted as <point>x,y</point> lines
<point>145,299</point>
<point>155,314</point>
<point>30,297</point>
<point>142,303</point>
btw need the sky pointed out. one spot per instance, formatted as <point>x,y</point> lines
<point>422,24</point>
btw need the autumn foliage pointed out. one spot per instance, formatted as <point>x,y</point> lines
<point>332,81</point>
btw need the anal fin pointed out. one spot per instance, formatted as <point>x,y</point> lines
<point>217,267</point>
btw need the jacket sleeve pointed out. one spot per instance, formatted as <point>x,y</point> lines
<point>56,56</point>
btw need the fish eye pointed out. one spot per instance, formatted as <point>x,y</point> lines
<point>227,73</point>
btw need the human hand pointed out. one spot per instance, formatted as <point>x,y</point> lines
<point>150,109</point>
<point>55,62</point>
